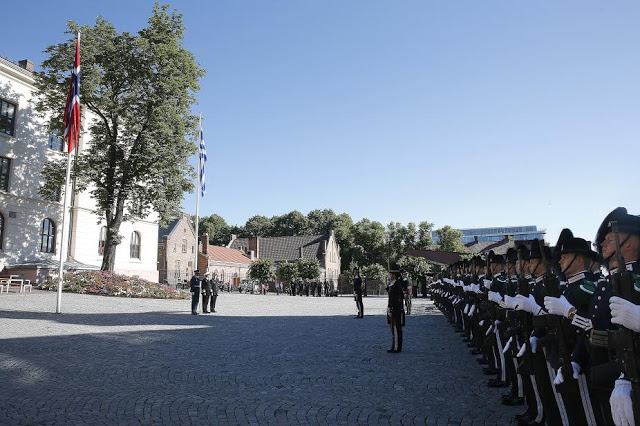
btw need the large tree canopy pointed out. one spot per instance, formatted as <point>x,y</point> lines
<point>140,89</point>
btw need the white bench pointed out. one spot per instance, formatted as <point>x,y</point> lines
<point>6,282</point>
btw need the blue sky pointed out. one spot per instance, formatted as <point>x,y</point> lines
<point>461,113</point>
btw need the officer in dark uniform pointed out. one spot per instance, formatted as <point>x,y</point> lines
<point>357,292</point>
<point>214,295</point>
<point>195,292</point>
<point>205,286</point>
<point>395,310</point>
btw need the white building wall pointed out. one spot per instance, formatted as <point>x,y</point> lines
<point>22,207</point>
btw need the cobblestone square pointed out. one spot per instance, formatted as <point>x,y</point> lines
<point>268,360</point>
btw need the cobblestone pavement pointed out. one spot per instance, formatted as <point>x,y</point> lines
<point>272,360</point>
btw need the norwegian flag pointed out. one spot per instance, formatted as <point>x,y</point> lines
<point>72,109</point>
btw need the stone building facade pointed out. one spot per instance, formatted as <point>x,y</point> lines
<point>176,251</point>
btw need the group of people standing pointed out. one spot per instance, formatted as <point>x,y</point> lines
<point>560,326</point>
<point>313,288</point>
<point>209,289</point>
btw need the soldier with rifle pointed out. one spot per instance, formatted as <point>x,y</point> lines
<point>619,241</point>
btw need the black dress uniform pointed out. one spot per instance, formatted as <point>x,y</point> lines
<point>395,312</point>
<point>205,286</point>
<point>357,293</point>
<point>195,292</point>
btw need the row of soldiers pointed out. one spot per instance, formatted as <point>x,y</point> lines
<point>311,289</point>
<point>560,327</point>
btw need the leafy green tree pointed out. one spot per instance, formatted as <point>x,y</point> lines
<point>425,240</point>
<point>141,89</point>
<point>416,267</point>
<point>308,269</point>
<point>292,223</point>
<point>369,242</point>
<point>288,272</point>
<point>449,240</point>
<point>375,272</point>
<point>217,228</point>
<point>262,270</point>
<point>259,226</point>
<point>321,222</point>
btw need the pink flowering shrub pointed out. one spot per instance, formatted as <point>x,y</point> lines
<point>110,284</point>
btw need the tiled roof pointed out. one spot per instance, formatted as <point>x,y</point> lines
<point>280,249</point>
<point>223,254</point>
<point>440,257</point>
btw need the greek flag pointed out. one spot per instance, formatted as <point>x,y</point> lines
<point>203,159</point>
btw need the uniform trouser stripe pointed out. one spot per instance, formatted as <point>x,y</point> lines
<point>561,408</point>
<point>520,386</point>
<point>503,366</point>
<point>586,400</point>
<point>539,410</point>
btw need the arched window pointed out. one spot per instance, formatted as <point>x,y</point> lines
<point>1,230</point>
<point>48,236</point>
<point>134,251</point>
<point>102,240</point>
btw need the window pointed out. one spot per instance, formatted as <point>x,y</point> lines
<point>1,230</point>
<point>7,117</point>
<point>5,165</point>
<point>102,240</point>
<point>55,141</point>
<point>175,247</point>
<point>176,271</point>
<point>134,251</point>
<point>48,236</point>
<point>184,246</point>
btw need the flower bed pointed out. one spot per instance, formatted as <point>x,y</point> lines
<point>110,284</point>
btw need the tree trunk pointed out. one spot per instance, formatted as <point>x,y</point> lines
<point>113,239</point>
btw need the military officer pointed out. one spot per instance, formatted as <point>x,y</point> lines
<point>357,292</point>
<point>395,310</point>
<point>195,292</point>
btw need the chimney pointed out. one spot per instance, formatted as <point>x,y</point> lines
<point>252,255</point>
<point>205,243</point>
<point>26,64</point>
<point>301,254</point>
<point>475,239</point>
<point>324,251</point>
<point>254,246</point>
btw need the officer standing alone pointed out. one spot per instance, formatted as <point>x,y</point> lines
<point>357,292</point>
<point>195,292</point>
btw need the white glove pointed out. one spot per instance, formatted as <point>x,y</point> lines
<point>487,283</point>
<point>495,297</point>
<point>472,310</point>
<point>559,378</point>
<point>507,345</point>
<point>576,369</point>
<point>522,350</point>
<point>558,305</point>
<point>511,302</point>
<point>533,341</point>
<point>528,304</point>
<point>478,289</point>
<point>625,313</point>
<point>621,406</point>
<point>466,309</point>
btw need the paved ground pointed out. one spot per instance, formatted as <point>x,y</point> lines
<point>273,360</point>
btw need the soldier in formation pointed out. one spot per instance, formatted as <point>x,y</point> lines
<point>559,328</point>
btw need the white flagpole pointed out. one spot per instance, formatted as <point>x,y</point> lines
<point>63,245</point>
<point>195,265</point>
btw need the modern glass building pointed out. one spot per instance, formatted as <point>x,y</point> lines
<point>498,234</point>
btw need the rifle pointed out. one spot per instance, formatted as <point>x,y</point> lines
<point>624,342</point>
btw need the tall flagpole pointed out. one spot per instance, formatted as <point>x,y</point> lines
<point>63,250</point>
<point>72,129</point>
<point>195,265</point>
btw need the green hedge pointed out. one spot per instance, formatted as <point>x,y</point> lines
<point>110,284</point>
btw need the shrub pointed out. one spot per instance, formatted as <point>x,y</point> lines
<point>110,284</point>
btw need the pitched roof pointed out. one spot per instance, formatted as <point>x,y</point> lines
<point>280,249</point>
<point>163,232</point>
<point>440,257</point>
<point>223,254</point>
